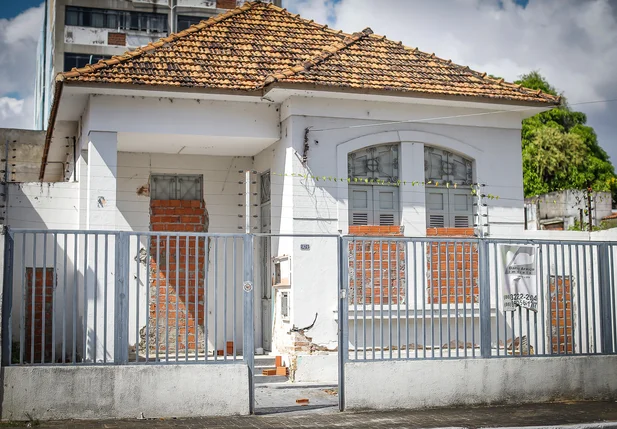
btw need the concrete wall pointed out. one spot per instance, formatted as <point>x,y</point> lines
<point>113,392</point>
<point>566,206</point>
<point>478,381</point>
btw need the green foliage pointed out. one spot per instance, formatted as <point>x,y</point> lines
<point>560,151</point>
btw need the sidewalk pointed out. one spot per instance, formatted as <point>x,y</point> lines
<point>581,414</point>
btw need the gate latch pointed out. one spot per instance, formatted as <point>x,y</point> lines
<point>342,293</point>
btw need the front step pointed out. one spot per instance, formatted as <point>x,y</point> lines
<point>263,362</point>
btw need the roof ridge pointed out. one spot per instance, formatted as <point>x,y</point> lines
<point>325,53</point>
<point>117,59</point>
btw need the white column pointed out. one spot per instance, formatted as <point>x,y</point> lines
<point>102,172</point>
<point>100,205</point>
<point>412,197</point>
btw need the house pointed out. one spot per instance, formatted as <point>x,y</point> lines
<point>564,209</point>
<point>260,121</point>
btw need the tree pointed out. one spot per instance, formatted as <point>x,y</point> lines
<point>560,151</point>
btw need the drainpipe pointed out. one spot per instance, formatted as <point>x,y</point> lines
<point>44,77</point>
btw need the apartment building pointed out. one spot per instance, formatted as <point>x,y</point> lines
<point>80,32</point>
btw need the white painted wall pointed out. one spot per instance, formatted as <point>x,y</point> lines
<point>416,384</point>
<point>114,392</point>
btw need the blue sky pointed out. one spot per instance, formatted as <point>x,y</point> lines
<point>11,8</point>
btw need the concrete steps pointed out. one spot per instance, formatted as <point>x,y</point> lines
<point>267,362</point>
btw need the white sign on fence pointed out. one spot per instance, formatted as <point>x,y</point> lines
<point>518,277</point>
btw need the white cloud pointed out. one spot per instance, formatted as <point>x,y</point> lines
<point>573,43</point>
<point>18,42</point>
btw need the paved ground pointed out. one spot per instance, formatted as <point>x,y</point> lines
<point>276,408</point>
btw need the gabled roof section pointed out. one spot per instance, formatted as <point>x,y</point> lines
<point>258,45</point>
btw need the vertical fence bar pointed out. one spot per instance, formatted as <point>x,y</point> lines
<point>415,298</point>
<point>24,298</point>
<point>593,295</point>
<point>235,287</point>
<point>248,316</point>
<point>53,300</point>
<point>485,297</point>
<point>75,287</point>
<point>343,325</point>
<point>157,297</point>
<point>381,297</point>
<point>138,281</point>
<point>448,308</point>
<point>122,298</point>
<point>177,295</point>
<point>148,292</point>
<point>167,286</point>
<point>7,302</point>
<point>33,286</point>
<point>364,298</point>
<point>456,315</point>
<point>464,281</point>
<point>432,295</point>
<point>505,324</point>
<point>578,299</point>
<point>439,292</point>
<point>389,289</point>
<point>64,296</point>
<point>604,298</point>
<point>85,292</point>
<point>473,302</point>
<point>105,296</point>
<point>355,293</point>
<point>611,307</point>
<point>563,298</point>
<point>216,295</point>
<point>94,296</point>
<point>44,297</point>
<point>196,314</point>
<point>424,285</point>
<point>206,298</point>
<point>225,298</point>
<point>373,318</point>
<point>588,348</point>
<point>187,304</point>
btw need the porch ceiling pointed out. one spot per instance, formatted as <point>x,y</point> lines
<point>191,144</point>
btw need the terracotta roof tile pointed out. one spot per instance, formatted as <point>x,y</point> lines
<point>257,44</point>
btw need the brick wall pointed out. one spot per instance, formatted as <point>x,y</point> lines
<point>180,301</point>
<point>118,39</point>
<point>225,4</point>
<point>42,306</point>
<point>452,268</point>
<point>376,268</point>
<point>562,329</point>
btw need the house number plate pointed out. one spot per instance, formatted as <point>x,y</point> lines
<point>305,247</point>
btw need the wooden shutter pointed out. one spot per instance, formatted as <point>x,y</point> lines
<point>385,203</point>
<point>460,208</point>
<point>437,206</point>
<point>361,205</point>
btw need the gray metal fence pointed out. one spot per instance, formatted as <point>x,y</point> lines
<point>101,297</point>
<point>440,298</point>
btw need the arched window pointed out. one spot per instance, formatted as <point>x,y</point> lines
<point>448,204</point>
<point>371,203</point>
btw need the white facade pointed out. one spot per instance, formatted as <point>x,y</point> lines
<point>124,137</point>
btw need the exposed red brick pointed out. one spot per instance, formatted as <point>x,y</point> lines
<point>225,4</point>
<point>39,308</point>
<point>118,39</point>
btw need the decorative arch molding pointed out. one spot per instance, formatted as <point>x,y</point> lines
<point>412,142</point>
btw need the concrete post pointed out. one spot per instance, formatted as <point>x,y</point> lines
<point>101,212</point>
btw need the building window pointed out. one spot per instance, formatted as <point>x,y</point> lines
<point>116,19</point>
<point>185,21</point>
<point>371,200</point>
<point>80,60</point>
<point>448,178</point>
<point>176,187</point>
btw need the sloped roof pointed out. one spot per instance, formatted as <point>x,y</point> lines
<point>258,44</point>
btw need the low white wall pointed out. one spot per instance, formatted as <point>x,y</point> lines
<point>110,392</point>
<point>317,368</point>
<point>425,384</point>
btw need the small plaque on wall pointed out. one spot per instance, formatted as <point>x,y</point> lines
<point>305,247</point>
